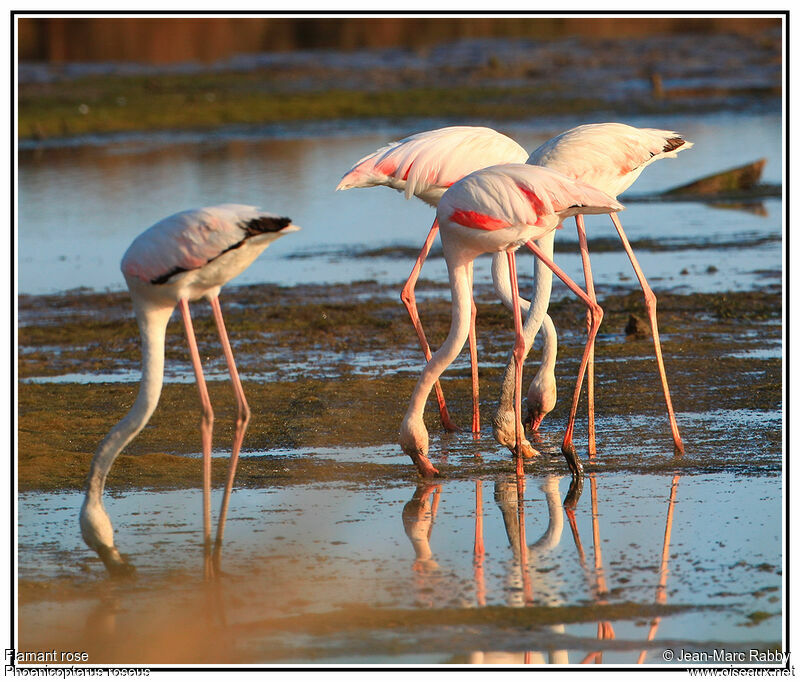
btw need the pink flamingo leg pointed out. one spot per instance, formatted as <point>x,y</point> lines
<point>587,273</point>
<point>650,303</point>
<point>473,358</point>
<point>410,300</point>
<point>519,358</point>
<point>242,419</point>
<point>479,552</point>
<point>567,446</point>
<point>206,421</point>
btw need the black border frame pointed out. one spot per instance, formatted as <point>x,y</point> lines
<point>344,13</point>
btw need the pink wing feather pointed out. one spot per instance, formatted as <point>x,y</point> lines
<point>187,240</point>
<point>519,194</point>
<point>426,164</point>
<point>609,156</point>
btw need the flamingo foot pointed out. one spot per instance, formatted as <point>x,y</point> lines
<point>679,450</point>
<point>476,425</point>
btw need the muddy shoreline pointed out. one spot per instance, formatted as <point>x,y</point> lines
<point>301,355</point>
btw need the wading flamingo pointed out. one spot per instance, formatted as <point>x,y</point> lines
<point>610,157</point>
<point>490,211</point>
<point>425,165</point>
<point>184,257</point>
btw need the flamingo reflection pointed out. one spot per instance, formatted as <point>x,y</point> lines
<point>509,494</point>
<point>528,580</point>
<point>418,515</point>
<point>605,630</point>
<point>663,571</point>
<point>478,550</point>
<point>596,579</point>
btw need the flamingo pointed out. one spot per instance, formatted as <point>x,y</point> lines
<point>510,498</point>
<point>425,165</point>
<point>610,157</point>
<point>182,258</point>
<point>492,210</point>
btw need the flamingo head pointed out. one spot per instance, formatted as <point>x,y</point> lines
<point>541,400</point>
<point>98,533</point>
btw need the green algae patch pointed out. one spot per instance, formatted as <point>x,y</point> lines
<point>757,617</point>
<point>93,105</point>
<point>54,454</point>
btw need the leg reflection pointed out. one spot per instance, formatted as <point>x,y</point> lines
<point>663,571</point>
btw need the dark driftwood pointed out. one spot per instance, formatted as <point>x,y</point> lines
<point>742,178</point>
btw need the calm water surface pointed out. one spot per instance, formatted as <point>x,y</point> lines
<point>346,548</point>
<point>80,206</point>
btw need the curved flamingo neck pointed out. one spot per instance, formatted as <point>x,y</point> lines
<point>550,347</point>
<point>461,289</point>
<point>542,289</point>
<point>152,326</point>
<point>537,315</point>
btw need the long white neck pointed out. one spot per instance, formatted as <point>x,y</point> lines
<point>538,317</point>
<point>549,348</point>
<point>537,314</point>
<point>152,326</point>
<point>459,270</point>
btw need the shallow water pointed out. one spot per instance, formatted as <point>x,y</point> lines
<point>80,206</point>
<point>364,553</point>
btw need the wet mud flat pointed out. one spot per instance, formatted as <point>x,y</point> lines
<point>335,550</point>
<point>335,366</point>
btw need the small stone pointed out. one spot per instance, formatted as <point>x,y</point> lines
<point>637,327</point>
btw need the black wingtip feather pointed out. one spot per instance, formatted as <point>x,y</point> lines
<point>673,143</point>
<point>256,226</point>
<point>163,279</point>
<point>264,224</point>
